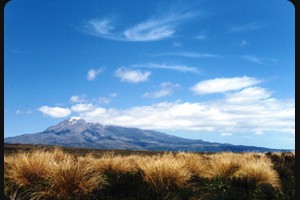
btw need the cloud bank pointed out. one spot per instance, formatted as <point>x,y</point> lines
<point>243,107</point>
<point>227,115</point>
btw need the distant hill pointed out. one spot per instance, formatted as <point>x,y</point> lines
<point>76,132</point>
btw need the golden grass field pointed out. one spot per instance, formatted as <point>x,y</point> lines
<point>57,174</point>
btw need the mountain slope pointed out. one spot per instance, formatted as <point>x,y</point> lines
<point>76,132</point>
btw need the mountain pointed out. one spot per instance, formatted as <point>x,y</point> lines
<point>76,132</point>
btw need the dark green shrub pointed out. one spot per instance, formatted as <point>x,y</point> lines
<point>232,189</point>
<point>284,164</point>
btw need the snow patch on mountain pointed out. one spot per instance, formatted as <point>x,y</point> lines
<point>73,120</point>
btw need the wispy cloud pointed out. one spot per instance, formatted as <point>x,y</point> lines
<point>101,26</point>
<point>132,76</point>
<point>253,59</point>
<point>55,112</point>
<point>93,73</point>
<point>246,27</point>
<point>180,68</point>
<point>188,54</point>
<point>107,99</point>
<point>21,112</point>
<point>201,37</point>
<point>150,30</point>
<point>82,101</point>
<point>166,89</point>
<point>222,85</point>
<point>78,98</point>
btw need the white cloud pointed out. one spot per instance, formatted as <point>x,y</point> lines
<point>181,68</point>
<point>101,26</point>
<point>226,134</point>
<point>132,76</point>
<point>21,112</point>
<point>221,85</point>
<point>196,55</point>
<point>248,95</point>
<point>92,73</point>
<point>166,89</point>
<point>149,30</point>
<point>247,27</point>
<point>189,54</point>
<point>218,116</point>
<point>252,59</point>
<point>82,107</point>
<point>82,99</point>
<point>94,113</point>
<point>78,98</point>
<point>56,112</point>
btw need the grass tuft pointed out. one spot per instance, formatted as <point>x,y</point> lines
<point>165,171</point>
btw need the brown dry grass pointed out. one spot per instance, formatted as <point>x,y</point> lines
<point>115,163</point>
<point>224,164</point>
<point>165,171</point>
<point>258,167</point>
<point>197,164</point>
<point>56,174</point>
<point>50,174</point>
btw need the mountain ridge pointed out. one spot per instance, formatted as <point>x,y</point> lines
<point>76,132</point>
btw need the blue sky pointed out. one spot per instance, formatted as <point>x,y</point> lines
<point>221,71</point>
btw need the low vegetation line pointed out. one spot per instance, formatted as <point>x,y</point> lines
<point>55,174</point>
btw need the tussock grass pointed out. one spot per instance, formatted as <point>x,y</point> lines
<point>258,168</point>
<point>25,168</point>
<point>115,163</point>
<point>165,171</point>
<point>224,164</point>
<point>72,178</point>
<point>42,174</point>
<point>197,164</point>
<point>55,174</point>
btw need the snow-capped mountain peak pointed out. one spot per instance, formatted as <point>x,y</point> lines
<point>73,120</point>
